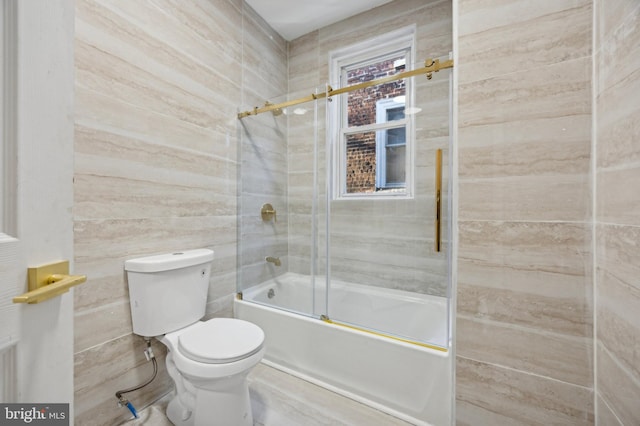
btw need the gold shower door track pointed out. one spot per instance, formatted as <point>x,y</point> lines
<point>388,336</point>
<point>430,66</point>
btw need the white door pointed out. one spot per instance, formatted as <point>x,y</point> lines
<point>37,190</point>
<point>9,314</point>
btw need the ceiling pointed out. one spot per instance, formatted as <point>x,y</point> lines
<point>294,18</point>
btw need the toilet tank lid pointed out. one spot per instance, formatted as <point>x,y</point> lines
<point>169,261</point>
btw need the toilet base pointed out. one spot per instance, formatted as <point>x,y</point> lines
<point>223,401</point>
<point>232,407</point>
<point>209,394</point>
<point>178,415</point>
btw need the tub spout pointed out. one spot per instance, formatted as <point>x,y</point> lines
<point>274,260</point>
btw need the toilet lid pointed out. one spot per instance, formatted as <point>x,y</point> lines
<point>221,340</point>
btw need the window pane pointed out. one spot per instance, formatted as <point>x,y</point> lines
<point>396,156</point>
<point>361,104</point>
<point>396,113</point>
<point>361,162</point>
<point>396,136</point>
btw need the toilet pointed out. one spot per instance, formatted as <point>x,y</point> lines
<point>208,360</point>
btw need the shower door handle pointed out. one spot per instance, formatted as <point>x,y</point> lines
<point>438,200</point>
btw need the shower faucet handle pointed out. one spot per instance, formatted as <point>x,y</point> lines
<point>267,212</point>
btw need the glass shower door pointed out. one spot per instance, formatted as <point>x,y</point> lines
<point>278,207</point>
<point>387,254</point>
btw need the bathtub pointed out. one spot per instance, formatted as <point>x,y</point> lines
<point>396,373</point>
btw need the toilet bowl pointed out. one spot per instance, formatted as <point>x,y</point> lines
<point>209,361</point>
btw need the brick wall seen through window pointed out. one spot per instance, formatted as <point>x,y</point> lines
<point>361,104</point>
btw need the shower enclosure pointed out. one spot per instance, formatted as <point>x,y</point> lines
<point>344,207</point>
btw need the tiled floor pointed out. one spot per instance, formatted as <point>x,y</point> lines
<point>279,399</point>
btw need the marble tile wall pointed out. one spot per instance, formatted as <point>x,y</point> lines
<point>381,243</point>
<point>524,329</point>
<point>617,87</point>
<point>263,164</point>
<point>158,87</point>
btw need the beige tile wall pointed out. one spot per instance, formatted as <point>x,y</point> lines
<point>524,321</point>
<point>263,179</point>
<point>617,60</point>
<point>262,175</point>
<point>158,87</point>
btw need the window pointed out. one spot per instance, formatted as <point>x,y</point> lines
<point>373,137</point>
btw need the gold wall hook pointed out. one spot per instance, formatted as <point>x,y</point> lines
<point>267,212</point>
<point>48,281</point>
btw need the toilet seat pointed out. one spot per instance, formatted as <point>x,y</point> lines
<point>221,341</point>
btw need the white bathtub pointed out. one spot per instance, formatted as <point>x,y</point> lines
<point>407,380</point>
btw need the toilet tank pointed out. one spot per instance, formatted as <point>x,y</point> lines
<point>168,291</point>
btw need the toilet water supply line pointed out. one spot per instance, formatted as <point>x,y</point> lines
<point>122,401</point>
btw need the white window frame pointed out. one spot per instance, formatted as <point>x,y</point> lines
<point>351,57</point>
